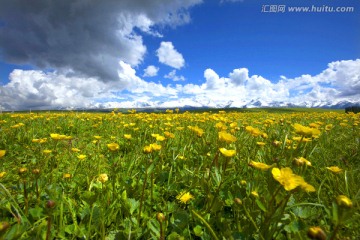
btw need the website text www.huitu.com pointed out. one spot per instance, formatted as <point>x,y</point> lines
<point>305,9</point>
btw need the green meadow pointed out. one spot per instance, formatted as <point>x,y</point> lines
<point>238,174</point>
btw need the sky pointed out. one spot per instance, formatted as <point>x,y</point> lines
<point>75,54</point>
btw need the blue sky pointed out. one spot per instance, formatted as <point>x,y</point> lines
<point>205,53</point>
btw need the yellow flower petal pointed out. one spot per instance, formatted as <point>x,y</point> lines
<point>259,165</point>
<point>227,153</point>
<point>335,169</point>
<point>113,146</point>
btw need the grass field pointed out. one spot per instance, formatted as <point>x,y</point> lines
<point>252,174</point>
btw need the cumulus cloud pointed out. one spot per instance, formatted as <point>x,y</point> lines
<point>38,90</point>
<point>48,90</point>
<point>172,75</point>
<point>239,76</point>
<point>168,55</point>
<point>150,71</point>
<point>213,81</point>
<point>136,85</point>
<point>35,89</point>
<point>84,38</point>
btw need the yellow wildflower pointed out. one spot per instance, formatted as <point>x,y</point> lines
<point>184,197</point>
<point>220,126</point>
<point>41,140</point>
<point>260,144</point>
<point>302,161</point>
<point>302,139</point>
<point>147,149</point>
<point>227,153</point>
<point>307,187</point>
<point>75,150</point>
<point>22,170</point>
<point>253,131</point>
<point>255,194</point>
<point>226,137</point>
<point>160,138</point>
<point>67,137</point>
<point>169,135</point>
<point>81,156</point>
<point>152,147</point>
<point>66,175</point>
<point>328,127</point>
<point>316,233</point>
<point>2,153</point>
<point>2,174</point>
<point>259,165</point>
<point>103,178</point>
<point>334,169</point>
<point>306,131</point>
<point>199,132</point>
<point>127,136</point>
<point>113,146</point>
<point>344,201</point>
<point>276,143</point>
<point>47,151</point>
<point>56,136</point>
<point>155,146</point>
<point>264,135</point>
<point>233,124</point>
<point>287,178</point>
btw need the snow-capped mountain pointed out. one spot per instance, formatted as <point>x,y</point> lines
<point>206,103</point>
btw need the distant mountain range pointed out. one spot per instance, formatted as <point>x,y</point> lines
<point>187,104</point>
<point>257,103</point>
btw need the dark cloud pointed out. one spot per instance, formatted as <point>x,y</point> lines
<point>83,37</point>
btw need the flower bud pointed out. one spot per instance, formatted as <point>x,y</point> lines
<point>36,171</point>
<point>316,233</point>
<point>238,201</point>
<point>160,217</point>
<point>50,204</point>
<point>255,194</point>
<point>22,170</point>
<point>4,226</point>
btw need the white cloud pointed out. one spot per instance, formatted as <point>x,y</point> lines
<point>213,80</point>
<point>172,75</point>
<point>168,55</point>
<point>150,71</point>
<point>39,90</point>
<point>239,76</point>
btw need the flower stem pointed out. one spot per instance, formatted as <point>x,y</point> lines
<point>213,234</point>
